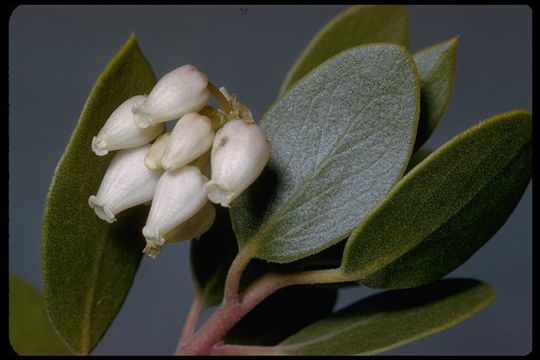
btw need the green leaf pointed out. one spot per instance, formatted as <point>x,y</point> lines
<point>340,140</point>
<point>391,319</point>
<point>436,67</point>
<point>359,25</point>
<point>282,314</point>
<point>88,265</point>
<point>446,208</point>
<point>30,332</point>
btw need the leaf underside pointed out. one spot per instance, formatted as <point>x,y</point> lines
<point>340,139</point>
<point>436,67</point>
<point>88,265</point>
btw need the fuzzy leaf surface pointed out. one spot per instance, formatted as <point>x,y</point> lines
<point>390,319</point>
<point>436,67</point>
<point>88,265</point>
<point>446,207</point>
<point>341,138</point>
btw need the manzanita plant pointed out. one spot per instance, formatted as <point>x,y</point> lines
<point>331,187</point>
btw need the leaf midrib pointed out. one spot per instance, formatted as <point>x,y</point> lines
<point>453,321</point>
<point>335,333</point>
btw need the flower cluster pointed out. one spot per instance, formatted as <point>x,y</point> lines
<point>210,156</point>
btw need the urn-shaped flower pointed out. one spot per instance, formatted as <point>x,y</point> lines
<point>127,182</point>
<point>120,132</point>
<point>239,154</point>
<point>179,92</point>
<point>179,195</point>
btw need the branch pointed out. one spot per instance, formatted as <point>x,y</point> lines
<point>193,317</point>
<point>230,312</point>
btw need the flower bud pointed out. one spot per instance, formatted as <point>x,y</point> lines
<point>120,132</point>
<point>127,183</point>
<point>179,92</point>
<point>155,154</point>
<point>179,195</point>
<point>191,137</point>
<point>239,154</point>
<point>195,226</point>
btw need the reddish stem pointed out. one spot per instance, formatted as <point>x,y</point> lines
<point>205,341</point>
<point>192,318</point>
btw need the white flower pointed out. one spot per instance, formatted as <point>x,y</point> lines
<point>127,183</point>
<point>239,154</point>
<point>195,226</point>
<point>179,195</point>
<point>120,132</point>
<point>155,154</point>
<point>179,92</point>
<point>191,137</point>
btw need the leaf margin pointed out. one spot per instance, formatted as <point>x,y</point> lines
<point>356,276</point>
<point>417,87</point>
<point>288,83</point>
<point>490,292</point>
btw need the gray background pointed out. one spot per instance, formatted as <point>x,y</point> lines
<point>57,52</point>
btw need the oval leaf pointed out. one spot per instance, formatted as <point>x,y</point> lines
<point>88,265</point>
<point>436,67</point>
<point>391,319</point>
<point>30,332</point>
<point>282,314</point>
<point>446,208</point>
<point>340,140</point>
<point>359,25</point>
